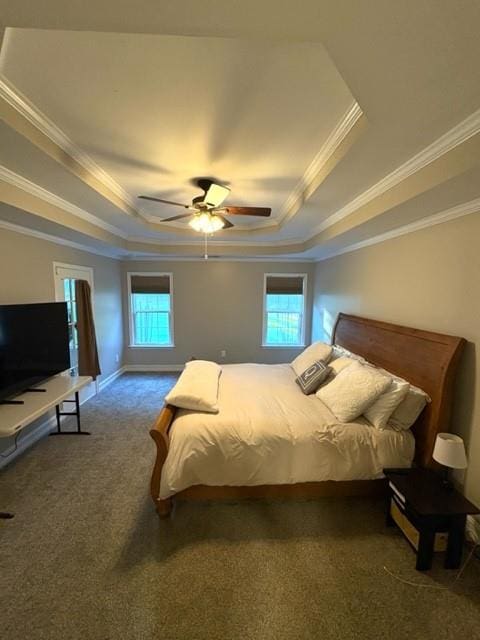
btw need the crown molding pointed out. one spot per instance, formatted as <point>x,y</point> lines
<point>219,243</point>
<point>30,112</point>
<point>40,235</point>
<point>47,196</point>
<point>306,186</point>
<point>448,141</point>
<point>458,211</point>
<point>448,215</point>
<point>214,258</point>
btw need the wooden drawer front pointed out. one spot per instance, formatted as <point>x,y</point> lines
<point>411,533</point>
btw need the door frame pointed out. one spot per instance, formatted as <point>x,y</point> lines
<point>62,271</point>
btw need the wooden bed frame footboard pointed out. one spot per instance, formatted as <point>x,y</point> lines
<point>303,490</point>
<point>428,360</point>
<point>159,433</point>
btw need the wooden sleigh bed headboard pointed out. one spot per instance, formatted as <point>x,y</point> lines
<point>427,360</point>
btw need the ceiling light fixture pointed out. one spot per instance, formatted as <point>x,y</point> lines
<point>206,222</point>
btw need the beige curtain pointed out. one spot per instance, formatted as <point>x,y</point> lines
<point>88,364</point>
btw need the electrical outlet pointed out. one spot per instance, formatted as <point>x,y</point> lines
<point>223,353</point>
<point>117,358</point>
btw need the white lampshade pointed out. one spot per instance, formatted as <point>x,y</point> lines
<point>449,450</point>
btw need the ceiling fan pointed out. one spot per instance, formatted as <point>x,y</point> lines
<point>208,213</point>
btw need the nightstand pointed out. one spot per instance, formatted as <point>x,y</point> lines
<point>419,500</point>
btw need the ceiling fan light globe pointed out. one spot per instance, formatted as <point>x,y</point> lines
<point>206,223</point>
<point>217,223</point>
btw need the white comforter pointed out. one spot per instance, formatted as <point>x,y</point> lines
<point>268,432</point>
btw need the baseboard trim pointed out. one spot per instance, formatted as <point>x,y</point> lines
<point>109,379</point>
<point>153,367</point>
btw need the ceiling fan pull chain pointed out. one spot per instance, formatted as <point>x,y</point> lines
<point>206,247</point>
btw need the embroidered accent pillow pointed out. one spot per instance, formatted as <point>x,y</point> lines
<point>312,378</point>
<point>309,356</point>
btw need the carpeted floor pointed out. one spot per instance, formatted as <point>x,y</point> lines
<point>87,558</point>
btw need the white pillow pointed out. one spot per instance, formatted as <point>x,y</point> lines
<point>339,364</point>
<point>350,393</point>
<point>197,387</point>
<point>340,352</point>
<point>409,409</point>
<point>381,410</point>
<point>310,355</point>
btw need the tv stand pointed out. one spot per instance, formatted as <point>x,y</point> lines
<point>17,414</point>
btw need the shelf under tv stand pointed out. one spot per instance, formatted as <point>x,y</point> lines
<point>55,391</point>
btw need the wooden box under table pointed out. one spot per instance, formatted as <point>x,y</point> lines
<point>411,532</point>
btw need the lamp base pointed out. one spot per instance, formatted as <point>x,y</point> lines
<point>446,482</point>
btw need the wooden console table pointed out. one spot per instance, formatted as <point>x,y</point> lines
<point>56,390</point>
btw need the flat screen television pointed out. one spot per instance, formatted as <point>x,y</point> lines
<point>33,345</point>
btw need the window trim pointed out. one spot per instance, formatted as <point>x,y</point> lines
<point>131,334</point>
<point>301,344</point>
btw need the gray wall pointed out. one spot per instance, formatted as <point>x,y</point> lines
<point>26,275</point>
<point>429,279</point>
<point>217,305</point>
<point>26,268</point>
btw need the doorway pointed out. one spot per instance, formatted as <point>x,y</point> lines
<point>65,276</point>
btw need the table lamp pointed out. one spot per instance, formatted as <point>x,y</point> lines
<point>449,451</point>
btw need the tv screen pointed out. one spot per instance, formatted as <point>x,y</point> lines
<point>33,345</point>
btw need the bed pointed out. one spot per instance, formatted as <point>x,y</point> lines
<point>270,440</point>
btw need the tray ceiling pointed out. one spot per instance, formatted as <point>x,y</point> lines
<point>346,127</point>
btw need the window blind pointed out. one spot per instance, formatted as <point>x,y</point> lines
<point>150,284</point>
<point>289,285</point>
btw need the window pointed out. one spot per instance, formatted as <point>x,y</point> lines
<point>284,310</point>
<point>151,315</point>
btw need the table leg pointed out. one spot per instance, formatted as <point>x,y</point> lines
<point>389,521</point>
<point>456,539</point>
<point>425,550</point>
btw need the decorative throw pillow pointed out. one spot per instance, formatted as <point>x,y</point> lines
<point>350,393</point>
<point>409,409</point>
<point>381,410</point>
<point>310,355</point>
<point>312,378</point>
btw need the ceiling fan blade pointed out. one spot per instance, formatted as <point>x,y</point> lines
<point>176,204</point>
<point>216,194</point>
<point>247,211</point>
<point>184,215</point>
<point>226,223</point>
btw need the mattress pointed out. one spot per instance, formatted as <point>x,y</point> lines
<point>268,432</point>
